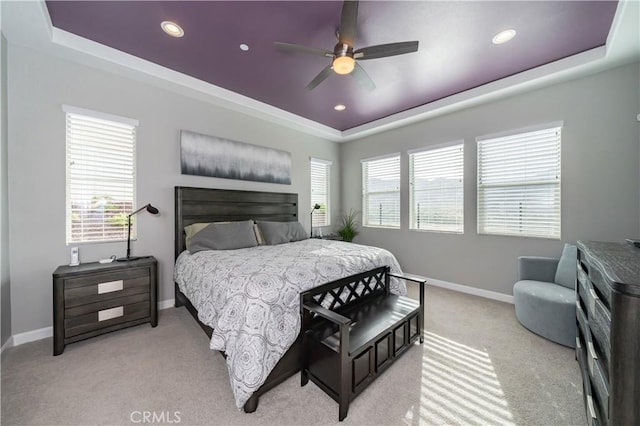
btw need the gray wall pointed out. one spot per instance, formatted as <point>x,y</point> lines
<point>40,84</point>
<point>600,169</point>
<point>5,288</point>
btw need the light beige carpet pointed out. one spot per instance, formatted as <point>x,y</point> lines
<point>478,366</point>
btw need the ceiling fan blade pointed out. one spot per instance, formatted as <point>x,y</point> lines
<point>326,72</point>
<point>384,50</point>
<point>348,22</point>
<point>361,76</point>
<point>295,48</point>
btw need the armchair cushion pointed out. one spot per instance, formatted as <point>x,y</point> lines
<point>537,268</point>
<point>566,273</point>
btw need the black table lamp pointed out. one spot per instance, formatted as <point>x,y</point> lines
<point>315,207</point>
<point>151,210</point>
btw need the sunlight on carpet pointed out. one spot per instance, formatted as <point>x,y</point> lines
<point>459,386</point>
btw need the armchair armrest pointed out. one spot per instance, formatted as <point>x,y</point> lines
<point>326,313</point>
<point>537,268</point>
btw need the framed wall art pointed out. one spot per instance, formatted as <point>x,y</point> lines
<point>204,155</point>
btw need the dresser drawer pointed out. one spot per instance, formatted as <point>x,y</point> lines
<point>97,287</point>
<point>600,326</point>
<point>596,315</point>
<point>599,385</point>
<point>105,318</point>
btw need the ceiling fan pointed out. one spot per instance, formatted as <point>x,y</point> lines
<point>343,57</point>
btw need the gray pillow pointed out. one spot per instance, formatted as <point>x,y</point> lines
<point>224,236</point>
<point>566,273</point>
<point>281,232</point>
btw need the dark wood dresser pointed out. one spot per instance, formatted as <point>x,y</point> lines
<point>608,338</point>
<point>95,298</point>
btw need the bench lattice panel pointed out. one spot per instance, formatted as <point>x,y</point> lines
<point>342,295</point>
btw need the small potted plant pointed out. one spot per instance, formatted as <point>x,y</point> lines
<point>348,227</point>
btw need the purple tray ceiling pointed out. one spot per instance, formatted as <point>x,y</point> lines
<point>455,54</point>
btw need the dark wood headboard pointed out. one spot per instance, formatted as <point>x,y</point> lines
<point>195,205</point>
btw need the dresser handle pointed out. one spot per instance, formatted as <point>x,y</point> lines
<point>107,314</point>
<point>592,410</point>
<point>592,302</point>
<point>110,286</point>
<point>592,356</point>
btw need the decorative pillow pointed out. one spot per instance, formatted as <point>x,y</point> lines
<point>191,230</point>
<point>224,236</point>
<point>281,232</point>
<point>566,273</point>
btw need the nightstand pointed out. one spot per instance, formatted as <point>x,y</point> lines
<point>96,298</point>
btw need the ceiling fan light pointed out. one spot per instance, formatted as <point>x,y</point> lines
<point>343,64</point>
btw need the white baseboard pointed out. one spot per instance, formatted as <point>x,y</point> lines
<point>32,336</point>
<point>471,290</point>
<point>7,344</point>
<point>165,304</point>
<point>43,333</point>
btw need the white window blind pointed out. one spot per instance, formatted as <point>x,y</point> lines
<point>519,184</point>
<point>320,174</point>
<point>436,189</point>
<point>381,192</point>
<point>100,176</point>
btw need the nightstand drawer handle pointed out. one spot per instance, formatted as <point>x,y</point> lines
<point>110,286</point>
<point>107,314</point>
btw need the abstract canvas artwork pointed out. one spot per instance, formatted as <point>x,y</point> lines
<point>203,155</point>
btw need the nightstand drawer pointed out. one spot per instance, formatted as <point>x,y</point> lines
<point>109,316</point>
<point>89,289</point>
<point>105,304</point>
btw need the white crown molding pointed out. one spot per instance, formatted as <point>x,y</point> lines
<point>28,24</point>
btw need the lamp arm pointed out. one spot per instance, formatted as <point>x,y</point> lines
<point>139,210</point>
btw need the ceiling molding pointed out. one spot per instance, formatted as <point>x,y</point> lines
<point>28,24</point>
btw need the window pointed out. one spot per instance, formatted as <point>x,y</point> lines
<point>436,189</point>
<point>381,192</point>
<point>100,175</point>
<point>320,192</point>
<point>519,183</point>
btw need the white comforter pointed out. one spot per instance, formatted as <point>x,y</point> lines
<point>251,297</point>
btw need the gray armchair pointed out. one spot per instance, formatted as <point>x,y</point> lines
<point>545,296</point>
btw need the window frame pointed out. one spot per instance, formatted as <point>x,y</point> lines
<point>365,164</point>
<point>326,164</point>
<point>458,144</point>
<point>524,136</point>
<point>73,183</point>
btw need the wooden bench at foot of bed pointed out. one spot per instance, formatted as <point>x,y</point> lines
<point>363,331</point>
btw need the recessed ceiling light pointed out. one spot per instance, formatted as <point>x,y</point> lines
<point>172,29</point>
<point>503,36</point>
<point>339,107</point>
<point>244,47</point>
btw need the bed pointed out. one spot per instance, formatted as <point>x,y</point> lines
<point>217,289</point>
